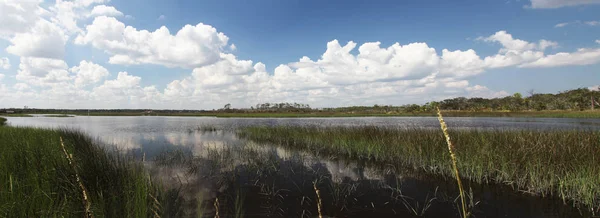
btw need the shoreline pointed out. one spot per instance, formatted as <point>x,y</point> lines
<point>523,114</point>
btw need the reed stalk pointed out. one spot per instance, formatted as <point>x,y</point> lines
<point>319,203</point>
<point>216,204</point>
<point>86,200</point>
<point>454,162</point>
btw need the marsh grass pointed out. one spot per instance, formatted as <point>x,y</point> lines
<point>37,180</point>
<point>561,163</point>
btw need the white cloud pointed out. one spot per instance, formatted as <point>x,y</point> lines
<point>88,73</point>
<point>592,23</point>
<point>192,46</point>
<point>511,44</point>
<point>161,17</point>
<point>4,63</point>
<point>103,10</point>
<point>44,40</point>
<point>595,88</point>
<point>125,91</point>
<point>540,4</point>
<point>559,25</point>
<point>18,16</point>
<point>598,41</point>
<point>21,87</point>
<point>1,76</point>
<point>582,56</point>
<point>345,74</point>
<point>66,14</point>
<point>42,71</point>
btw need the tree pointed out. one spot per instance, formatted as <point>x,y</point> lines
<point>227,106</point>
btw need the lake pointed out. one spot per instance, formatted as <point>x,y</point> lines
<point>150,138</point>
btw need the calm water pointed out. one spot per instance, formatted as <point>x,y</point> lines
<point>151,136</point>
<point>152,133</point>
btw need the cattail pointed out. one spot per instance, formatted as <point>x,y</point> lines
<point>454,161</point>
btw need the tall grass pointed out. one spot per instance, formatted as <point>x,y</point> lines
<point>37,180</point>
<point>2,121</point>
<point>561,163</point>
<point>454,165</point>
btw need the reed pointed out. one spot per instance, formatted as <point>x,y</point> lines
<point>454,165</point>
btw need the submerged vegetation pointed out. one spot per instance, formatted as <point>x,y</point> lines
<point>559,163</point>
<point>39,179</point>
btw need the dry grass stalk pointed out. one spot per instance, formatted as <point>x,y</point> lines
<point>216,208</point>
<point>318,200</point>
<point>454,162</point>
<point>86,200</point>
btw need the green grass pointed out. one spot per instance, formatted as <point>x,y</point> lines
<point>16,115</point>
<point>58,115</point>
<point>2,121</point>
<point>559,163</point>
<point>36,179</point>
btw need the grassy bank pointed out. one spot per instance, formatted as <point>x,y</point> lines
<point>37,179</point>
<point>560,163</point>
<point>2,121</point>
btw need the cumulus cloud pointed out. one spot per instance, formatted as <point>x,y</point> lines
<point>543,4</point>
<point>125,91</point>
<point>66,14</point>
<point>21,87</point>
<point>192,46</point>
<point>18,16</point>
<point>4,63</point>
<point>1,76</point>
<point>88,73</point>
<point>347,73</point>
<point>103,10</point>
<point>582,56</point>
<point>44,40</point>
<point>42,71</point>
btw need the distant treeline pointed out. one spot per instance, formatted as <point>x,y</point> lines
<point>574,100</point>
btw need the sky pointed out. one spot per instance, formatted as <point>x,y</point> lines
<point>203,54</point>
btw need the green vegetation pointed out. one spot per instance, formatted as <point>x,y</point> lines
<point>559,163</point>
<point>58,115</point>
<point>2,121</point>
<point>16,115</point>
<point>37,180</point>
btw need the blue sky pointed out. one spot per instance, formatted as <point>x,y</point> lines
<point>279,33</point>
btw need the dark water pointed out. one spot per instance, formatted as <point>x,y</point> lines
<point>279,183</point>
